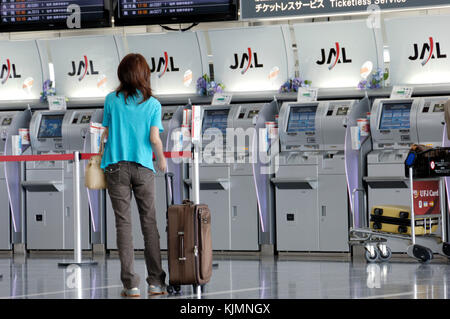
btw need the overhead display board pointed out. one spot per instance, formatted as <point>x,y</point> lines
<point>21,71</point>
<point>176,60</point>
<point>335,58</point>
<point>252,59</point>
<point>84,67</point>
<point>419,49</point>
<point>261,9</point>
<point>135,12</point>
<point>32,15</point>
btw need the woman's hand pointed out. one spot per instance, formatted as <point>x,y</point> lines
<point>162,164</point>
<point>155,140</point>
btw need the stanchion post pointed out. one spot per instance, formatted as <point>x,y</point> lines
<point>77,210</point>
<point>196,177</point>
<point>413,215</point>
<point>77,216</point>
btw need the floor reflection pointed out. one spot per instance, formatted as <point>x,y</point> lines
<point>233,278</point>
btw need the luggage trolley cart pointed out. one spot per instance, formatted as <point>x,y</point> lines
<point>419,167</point>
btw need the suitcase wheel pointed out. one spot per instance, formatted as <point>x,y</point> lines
<point>422,254</point>
<point>402,229</point>
<point>446,249</point>
<point>173,289</point>
<point>404,215</point>
<point>376,226</point>
<point>378,211</point>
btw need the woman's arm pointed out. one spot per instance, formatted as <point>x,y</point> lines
<point>157,147</point>
<point>103,138</point>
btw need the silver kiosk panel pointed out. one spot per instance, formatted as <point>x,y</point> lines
<point>10,175</point>
<point>311,195</point>
<point>49,185</point>
<point>226,175</point>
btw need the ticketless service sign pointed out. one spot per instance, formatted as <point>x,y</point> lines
<point>260,9</point>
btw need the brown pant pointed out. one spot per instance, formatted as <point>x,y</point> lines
<point>123,178</point>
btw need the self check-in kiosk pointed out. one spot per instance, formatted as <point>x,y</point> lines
<point>226,175</point>
<point>396,124</point>
<point>10,175</point>
<point>312,210</point>
<point>49,185</point>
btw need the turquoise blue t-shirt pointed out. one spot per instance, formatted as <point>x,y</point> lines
<point>129,129</point>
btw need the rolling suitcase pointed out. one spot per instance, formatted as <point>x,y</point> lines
<point>188,242</point>
<point>396,220</point>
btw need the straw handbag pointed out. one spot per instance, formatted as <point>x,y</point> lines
<point>94,177</point>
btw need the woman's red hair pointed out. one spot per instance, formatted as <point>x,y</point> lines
<point>134,75</point>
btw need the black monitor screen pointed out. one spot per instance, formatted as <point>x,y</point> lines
<point>302,119</point>
<point>167,116</point>
<point>136,12</point>
<point>31,15</point>
<point>7,121</point>
<point>51,126</point>
<point>215,119</point>
<point>395,116</point>
<point>439,107</point>
<point>253,113</point>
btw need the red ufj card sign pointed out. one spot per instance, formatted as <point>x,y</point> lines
<point>426,197</point>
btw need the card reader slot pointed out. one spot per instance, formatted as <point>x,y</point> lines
<point>50,186</point>
<point>386,182</point>
<point>294,183</point>
<point>215,184</point>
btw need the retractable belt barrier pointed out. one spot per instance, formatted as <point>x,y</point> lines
<point>76,157</point>
<point>71,157</point>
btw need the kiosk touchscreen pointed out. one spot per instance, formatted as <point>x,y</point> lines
<point>302,119</point>
<point>49,185</point>
<point>215,119</point>
<point>51,126</point>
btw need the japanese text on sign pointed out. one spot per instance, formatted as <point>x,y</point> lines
<point>251,9</point>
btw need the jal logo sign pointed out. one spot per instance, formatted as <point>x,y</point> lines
<point>246,61</point>
<point>427,51</point>
<point>334,56</point>
<point>83,68</point>
<point>163,64</point>
<point>8,72</point>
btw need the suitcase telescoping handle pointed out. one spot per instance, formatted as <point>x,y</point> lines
<point>169,189</point>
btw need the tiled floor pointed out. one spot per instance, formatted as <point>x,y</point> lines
<point>235,277</point>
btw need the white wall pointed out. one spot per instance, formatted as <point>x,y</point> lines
<point>215,25</point>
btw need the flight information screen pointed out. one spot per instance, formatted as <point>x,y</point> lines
<point>215,119</point>
<point>395,116</point>
<point>35,13</point>
<point>51,126</point>
<point>302,119</point>
<point>167,11</point>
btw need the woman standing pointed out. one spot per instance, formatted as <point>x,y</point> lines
<point>132,117</point>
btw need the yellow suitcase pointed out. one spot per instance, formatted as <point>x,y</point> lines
<point>396,220</point>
